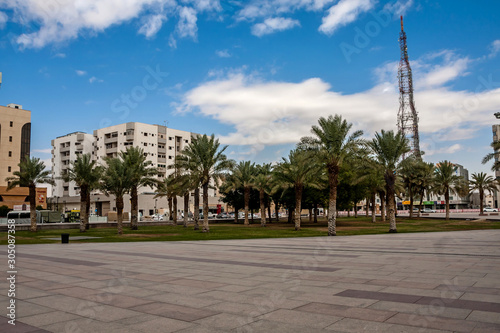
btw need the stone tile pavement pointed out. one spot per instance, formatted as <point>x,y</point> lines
<point>426,282</point>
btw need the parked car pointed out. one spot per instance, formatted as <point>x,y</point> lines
<point>489,209</point>
<point>223,216</point>
<point>157,217</point>
<point>428,210</point>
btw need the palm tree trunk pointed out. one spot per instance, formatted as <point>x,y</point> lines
<point>196,213</point>
<point>390,181</point>
<point>32,194</point>
<point>83,207</point>
<point>134,208</point>
<point>174,199</point>
<point>276,211</point>
<point>206,228</point>
<point>247,201</point>
<point>367,207</point>
<point>119,214</point>
<point>315,213</point>
<point>355,210</point>
<point>481,198</point>
<point>262,208</point>
<point>421,203</point>
<point>382,205</point>
<point>332,204</point>
<point>87,211</point>
<point>170,210</point>
<point>374,208</point>
<point>410,192</point>
<point>269,212</point>
<point>298,201</point>
<point>447,199</point>
<point>310,214</point>
<point>251,211</point>
<point>186,208</point>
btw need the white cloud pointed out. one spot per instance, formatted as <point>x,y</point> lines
<point>344,12</point>
<point>400,7</point>
<point>43,151</point>
<point>94,79</point>
<point>223,53</point>
<point>61,21</point>
<point>268,8</point>
<point>186,27</point>
<point>494,48</point>
<point>265,113</point>
<point>80,72</point>
<point>60,55</point>
<point>3,19</point>
<point>152,25</point>
<point>444,150</point>
<point>271,25</point>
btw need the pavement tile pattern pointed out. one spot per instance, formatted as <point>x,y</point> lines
<point>426,282</point>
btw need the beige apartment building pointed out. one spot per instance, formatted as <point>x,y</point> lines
<point>15,139</point>
<point>496,136</point>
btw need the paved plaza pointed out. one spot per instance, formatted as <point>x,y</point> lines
<point>420,282</point>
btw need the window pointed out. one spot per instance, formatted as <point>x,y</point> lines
<point>11,124</point>
<point>145,144</point>
<point>10,139</point>
<point>9,169</point>
<point>186,141</point>
<point>145,134</point>
<point>170,157</point>
<point>10,154</point>
<point>170,138</point>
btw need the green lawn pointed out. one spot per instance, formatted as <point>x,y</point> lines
<point>345,227</point>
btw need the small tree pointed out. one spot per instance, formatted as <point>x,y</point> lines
<point>482,182</point>
<point>116,180</point>
<point>445,182</point>
<point>31,172</point>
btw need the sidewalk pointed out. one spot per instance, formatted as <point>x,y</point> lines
<point>420,282</point>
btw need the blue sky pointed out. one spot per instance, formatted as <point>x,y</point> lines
<point>256,73</point>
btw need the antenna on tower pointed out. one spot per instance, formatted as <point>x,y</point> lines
<point>407,114</point>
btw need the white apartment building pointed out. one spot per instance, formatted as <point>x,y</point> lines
<point>65,150</point>
<point>160,144</point>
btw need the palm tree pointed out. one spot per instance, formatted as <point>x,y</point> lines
<point>482,183</point>
<point>496,155</point>
<point>31,172</point>
<point>262,181</point>
<point>332,144</point>
<point>407,175</point>
<point>388,149</point>
<point>374,181</point>
<point>169,188</point>
<point>116,180</point>
<point>297,172</point>
<point>190,166</point>
<point>141,173</point>
<point>445,181</point>
<point>205,153</point>
<point>423,180</point>
<point>242,177</point>
<point>86,174</point>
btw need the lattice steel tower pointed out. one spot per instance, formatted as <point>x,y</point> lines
<point>407,114</point>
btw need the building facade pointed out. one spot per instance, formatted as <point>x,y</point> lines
<point>15,142</point>
<point>65,149</point>
<point>15,139</point>
<point>161,145</point>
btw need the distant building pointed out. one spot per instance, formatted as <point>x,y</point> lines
<point>15,141</point>
<point>65,149</point>
<point>160,144</point>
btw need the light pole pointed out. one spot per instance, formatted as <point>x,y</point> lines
<point>156,201</point>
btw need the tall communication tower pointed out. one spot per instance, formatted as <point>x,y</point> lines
<point>407,114</point>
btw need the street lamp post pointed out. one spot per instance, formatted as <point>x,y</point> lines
<point>156,201</point>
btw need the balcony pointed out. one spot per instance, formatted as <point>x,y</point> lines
<point>111,139</point>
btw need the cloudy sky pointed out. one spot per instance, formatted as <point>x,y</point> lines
<point>256,73</point>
